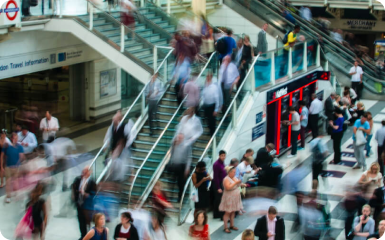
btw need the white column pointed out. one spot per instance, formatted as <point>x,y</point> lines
<point>335,83</point>
<point>142,3</point>
<point>234,114</point>
<point>122,34</point>
<point>155,64</point>
<point>290,64</point>
<point>168,6</point>
<point>165,70</point>
<point>61,8</point>
<point>318,56</point>
<point>91,16</point>
<point>304,60</point>
<point>326,68</point>
<point>272,69</point>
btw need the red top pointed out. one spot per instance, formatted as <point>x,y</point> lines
<point>199,235</point>
<point>156,202</point>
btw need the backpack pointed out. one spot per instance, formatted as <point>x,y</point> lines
<point>286,37</point>
<point>221,45</point>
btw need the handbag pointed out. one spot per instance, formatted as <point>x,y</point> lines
<point>194,195</point>
<point>25,226</point>
<point>360,138</point>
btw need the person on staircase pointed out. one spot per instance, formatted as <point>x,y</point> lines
<point>212,98</point>
<point>153,93</point>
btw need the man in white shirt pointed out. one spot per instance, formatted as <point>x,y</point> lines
<point>49,125</point>
<point>211,102</point>
<point>229,77</point>
<point>306,14</point>
<point>27,140</point>
<point>315,109</point>
<point>356,73</point>
<point>295,128</point>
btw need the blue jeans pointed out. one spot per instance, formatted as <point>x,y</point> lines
<point>367,146</point>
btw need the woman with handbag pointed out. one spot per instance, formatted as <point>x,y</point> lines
<point>201,180</point>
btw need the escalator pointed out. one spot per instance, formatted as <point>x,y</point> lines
<point>338,56</point>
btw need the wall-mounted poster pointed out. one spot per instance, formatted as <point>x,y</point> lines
<point>108,85</point>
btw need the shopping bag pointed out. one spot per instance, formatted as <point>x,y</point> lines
<point>194,195</point>
<point>378,87</point>
<point>25,226</point>
<point>360,138</point>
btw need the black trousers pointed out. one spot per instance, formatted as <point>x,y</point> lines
<point>313,124</point>
<point>179,96</point>
<point>152,109</point>
<point>82,221</point>
<point>217,202</point>
<point>337,138</point>
<point>294,143</point>
<point>211,120</point>
<point>178,169</point>
<point>317,169</point>
<point>226,99</point>
<point>303,136</point>
<point>380,150</point>
<point>357,87</point>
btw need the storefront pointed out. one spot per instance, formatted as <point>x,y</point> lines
<point>280,98</point>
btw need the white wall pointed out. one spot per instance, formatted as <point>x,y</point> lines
<point>98,106</point>
<point>225,16</point>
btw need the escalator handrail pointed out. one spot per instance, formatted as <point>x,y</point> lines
<point>324,36</point>
<point>214,135</point>
<point>151,150</point>
<point>129,110</point>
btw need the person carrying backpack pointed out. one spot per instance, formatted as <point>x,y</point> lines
<point>225,45</point>
<point>320,151</point>
<point>288,40</point>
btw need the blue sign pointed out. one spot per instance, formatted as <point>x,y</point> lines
<point>258,117</point>
<point>347,154</point>
<point>258,131</point>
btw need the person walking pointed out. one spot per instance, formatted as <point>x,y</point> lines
<point>319,151</point>
<point>201,180</point>
<point>200,230</point>
<point>153,92</point>
<point>4,141</point>
<point>314,111</point>
<point>363,225</point>
<point>28,140</point>
<point>231,199</point>
<point>262,44</point>
<point>229,77</point>
<point>247,57</point>
<point>270,226</point>
<point>304,122</point>
<point>329,111</point>
<point>356,73</point>
<point>49,125</point>
<point>337,134</point>
<point>360,125</point>
<point>99,231</point>
<point>211,98</point>
<point>39,212</point>
<point>218,176</point>
<point>12,155</point>
<point>192,91</point>
<point>380,138</point>
<point>368,148</point>
<point>125,229</point>
<point>295,128</point>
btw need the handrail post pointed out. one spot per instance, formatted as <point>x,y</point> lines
<point>91,16</point>
<point>272,69</point>
<point>143,105</point>
<point>370,3</point>
<point>326,2</point>
<point>142,3</point>
<point>168,6</point>
<point>220,2</point>
<point>252,81</point>
<point>318,56</point>
<point>61,8</point>
<point>335,83</point>
<point>122,38</point>
<point>155,64</point>
<point>214,150</point>
<point>165,71</point>
<point>326,68</point>
<point>290,64</point>
<point>234,118</point>
<point>304,60</point>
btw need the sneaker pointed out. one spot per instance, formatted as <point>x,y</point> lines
<point>291,156</point>
<point>300,148</point>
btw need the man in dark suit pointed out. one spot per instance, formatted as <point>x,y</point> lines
<point>262,41</point>
<point>263,157</point>
<point>329,110</point>
<point>377,202</point>
<point>270,226</point>
<point>82,190</point>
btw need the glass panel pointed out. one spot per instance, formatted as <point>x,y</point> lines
<point>281,62</point>
<point>311,53</point>
<point>262,70</point>
<point>297,57</point>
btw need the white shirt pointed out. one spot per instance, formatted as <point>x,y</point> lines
<point>271,226</point>
<point>306,14</point>
<point>30,138</point>
<point>352,93</point>
<point>210,95</point>
<point>61,146</point>
<point>50,124</point>
<point>243,168</point>
<point>358,72</point>
<point>154,90</point>
<point>315,106</point>
<point>295,118</point>
<point>191,128</point>
<point>228,74</point>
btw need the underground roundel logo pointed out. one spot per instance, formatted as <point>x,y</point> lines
<point>11,10</point>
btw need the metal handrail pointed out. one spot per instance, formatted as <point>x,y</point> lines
<point>214,135</point>
<point>128,111</point>
<point>325,36</point>
<point>207,63</point>
<point>152,149</point>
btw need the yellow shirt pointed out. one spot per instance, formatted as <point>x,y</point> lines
<point>290,39</point>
